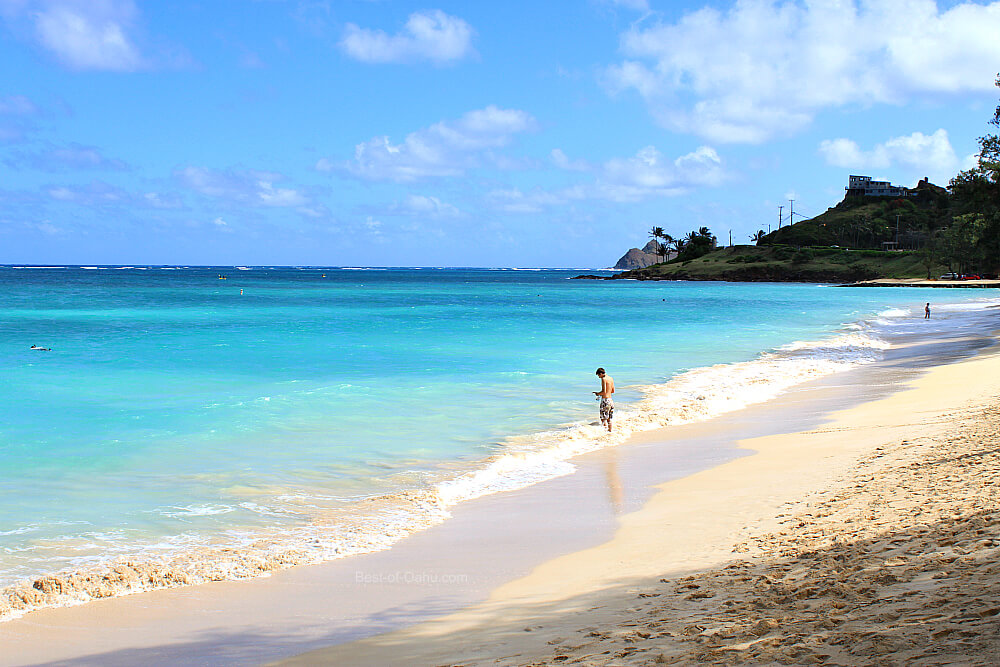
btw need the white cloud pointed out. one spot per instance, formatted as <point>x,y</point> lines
<point>762,68</point>
<point>49,229</point>
<point>646,175</point>
<point>253,188</point>
<point>268,195</point>
<point>427,206</point>
<point>93,194</point>
<point>649,174</point>
<point>71,157</point>
<point>560,160</point>
<point>427,35</point>
<point>443,149</point>
<point>62,194</point>
<point>222,225</point>
<point>846,153</point>
<point>931,155</point>
<point>98,194</point>
<point>156,200</point>
<point>515,201</point>
<point>90,34</point>
<point>637,5</point>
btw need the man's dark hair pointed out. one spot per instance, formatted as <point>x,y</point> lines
<point>600,371</point>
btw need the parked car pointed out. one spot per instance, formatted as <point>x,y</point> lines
<point>948,276</point>
<point>972,277</point>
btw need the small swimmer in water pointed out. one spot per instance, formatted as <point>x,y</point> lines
<point>41,349</point>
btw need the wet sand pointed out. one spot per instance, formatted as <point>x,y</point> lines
<point>871,539</point>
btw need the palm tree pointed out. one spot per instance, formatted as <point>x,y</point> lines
<point>657,233</point>
<point>668,243</point>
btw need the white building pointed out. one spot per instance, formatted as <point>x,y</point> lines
<point>864,185</point>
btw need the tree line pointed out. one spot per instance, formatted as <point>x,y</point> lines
<point>972,240</point>
<point>691,245</point>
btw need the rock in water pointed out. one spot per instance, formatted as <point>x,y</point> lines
<point>639,259</point>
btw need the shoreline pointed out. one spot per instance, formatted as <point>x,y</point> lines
<point>148,627</point>
<point>920,282</point>
<point>601,606</point>
<point>690,396</point>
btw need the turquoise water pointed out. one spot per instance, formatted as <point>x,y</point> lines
<point>174,413</point>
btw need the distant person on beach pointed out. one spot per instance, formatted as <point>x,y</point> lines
<point>927,311</point>
<point>607,404</point>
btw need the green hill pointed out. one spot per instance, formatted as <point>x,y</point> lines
<point>867,222</point>
<point>781,263</point>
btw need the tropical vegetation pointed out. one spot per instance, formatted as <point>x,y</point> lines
<point>690,246</point>
<point>957,227</point>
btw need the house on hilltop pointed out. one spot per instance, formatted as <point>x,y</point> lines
<point>866,187</point>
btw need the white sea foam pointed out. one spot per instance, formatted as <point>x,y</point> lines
<point>979,304</point>
<point>695,395</point>
<point>894,312</point>
<point>187,511</point>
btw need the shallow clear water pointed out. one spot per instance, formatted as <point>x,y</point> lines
<point>173,412</point>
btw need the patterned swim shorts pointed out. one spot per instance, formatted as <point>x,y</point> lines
<point>607,409</point>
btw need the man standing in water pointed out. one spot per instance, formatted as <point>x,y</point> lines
<point>607,404</point>
<point>927,311</point>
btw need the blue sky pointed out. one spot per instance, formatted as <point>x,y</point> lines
<point>359,133</point>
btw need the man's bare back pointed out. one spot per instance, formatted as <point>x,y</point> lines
<point>607,404</point>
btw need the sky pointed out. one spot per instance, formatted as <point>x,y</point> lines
<point>497,134</point>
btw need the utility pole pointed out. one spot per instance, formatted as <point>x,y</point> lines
<point>897,231</point>
<point>730,238</point>
<point>791,211</point>
<point>780,209</point>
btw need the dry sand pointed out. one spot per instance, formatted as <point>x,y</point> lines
<point>870,540</point>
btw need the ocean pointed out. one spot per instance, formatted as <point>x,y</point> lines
<point>198,423</point>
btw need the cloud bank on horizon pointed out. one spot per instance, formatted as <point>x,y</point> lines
<point>396,134</point>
